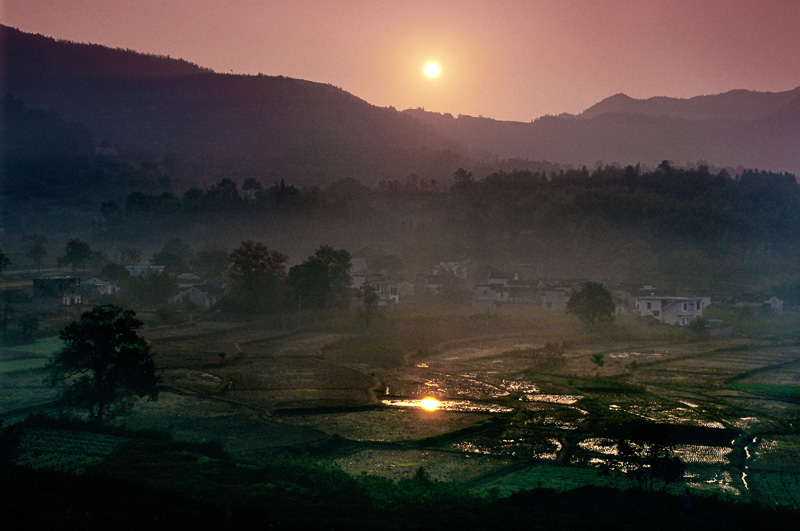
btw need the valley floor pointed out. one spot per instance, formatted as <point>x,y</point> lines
<point>522,405</point>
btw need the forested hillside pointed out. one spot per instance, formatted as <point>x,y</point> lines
<point>206,123</point>
<point>680,228</point>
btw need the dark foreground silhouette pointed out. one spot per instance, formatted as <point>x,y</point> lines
<point>154,482</point>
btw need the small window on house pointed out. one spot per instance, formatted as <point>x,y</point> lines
<point>649,305</point>
<point>684,306</point>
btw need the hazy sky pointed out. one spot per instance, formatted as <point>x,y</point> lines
<point>511,60</point>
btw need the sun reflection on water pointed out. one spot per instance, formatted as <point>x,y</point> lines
<point>429,404</point>
<point>461,406</point>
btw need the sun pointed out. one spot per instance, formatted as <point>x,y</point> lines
<point>432,69</point>
<point>429,404</point>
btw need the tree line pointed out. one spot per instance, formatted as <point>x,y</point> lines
<point>693,204</point>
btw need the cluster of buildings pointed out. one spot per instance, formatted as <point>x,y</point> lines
<point>56,294</point>
<point>448,281</point>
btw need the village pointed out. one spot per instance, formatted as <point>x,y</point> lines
<point>447,282</point>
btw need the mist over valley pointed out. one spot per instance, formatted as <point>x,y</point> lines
<point>250,298</point>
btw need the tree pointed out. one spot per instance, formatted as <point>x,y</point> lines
<point>115,272</point>
<point>129,255</point>
<point>174,255</point>
<point>4,262</point>
<point>78,254</point>
<point>369,298</point>
<point>592,304</point>
<point>651,461</point>
<point>323,278</point>
<point>148,291</point>
<point>463,180</point>
<point>211,261</point>
<point>258,276</point>
<point>252,189</point>
<point>223,194</point>
<point>105,362</point>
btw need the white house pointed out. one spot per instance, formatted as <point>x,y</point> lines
<point>679,311</point>
<point>502,279</point>
<point>775,303</point>
<point>189,280</point>
<point>624,302</point>
<point>387,289</point>
<point>456,269</point>
<point>555,299</point>
<point>196,296</point>
<point>490,294</point>
<point>100,286</point>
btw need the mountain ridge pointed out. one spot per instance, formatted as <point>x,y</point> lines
<point>737,104</point>
<point>242,126</point>
<point>313,133</point>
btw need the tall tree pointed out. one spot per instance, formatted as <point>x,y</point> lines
<point>252,189</point>
<point>592,304</point>
<point>211,261</point>
<point>174,255</point>
<point>105,362</point>
<point>369,299</point>
<point>258,276</point>
<point>129,255</point>
<point>148,291</point>
<point>4,262</point>
<point>322,279</point>
<point>77,255</point>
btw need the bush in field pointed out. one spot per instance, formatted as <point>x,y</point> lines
<point>105,362</point>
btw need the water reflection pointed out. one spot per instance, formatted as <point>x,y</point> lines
<point>546,450</point>
<point>600,445</point>
<point>554,399</point>
<point>464,406</point>
<point>429,403</point>
<point>657,412</point>
<point>695,453</point>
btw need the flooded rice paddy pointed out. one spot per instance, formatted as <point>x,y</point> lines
<point>506,420</point>
<point>541,426</point>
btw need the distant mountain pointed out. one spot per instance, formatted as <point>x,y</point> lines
<point>209,124</point>
<point>203,125</point>
<point>737,105</point>
<point>35,57</point>
<point>738,128</point>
